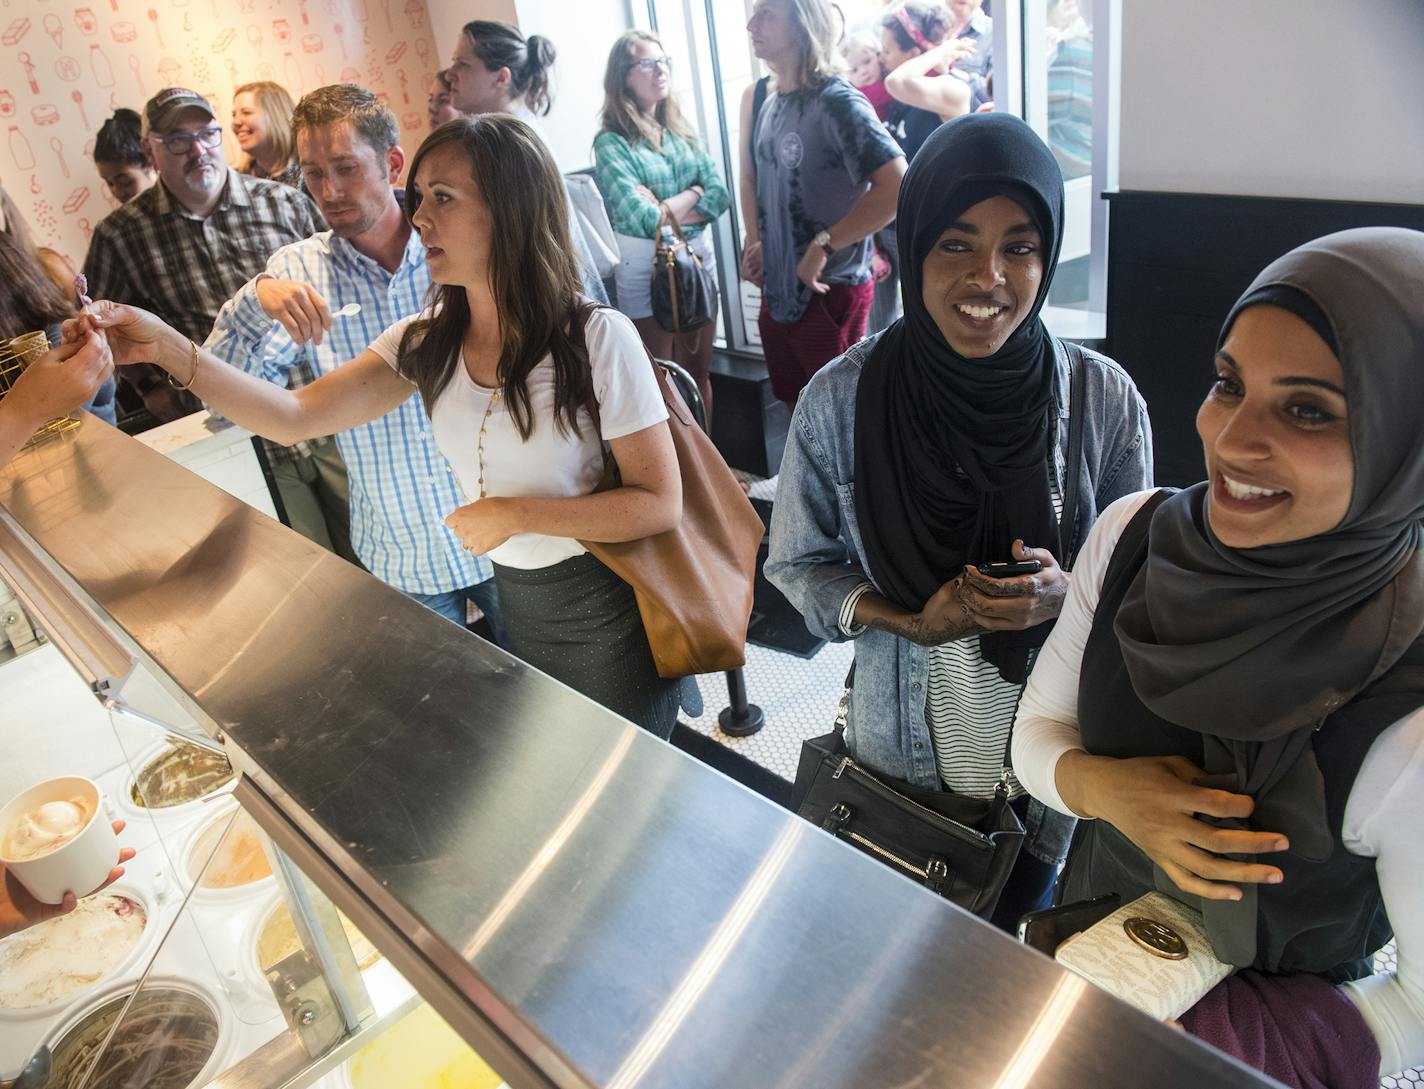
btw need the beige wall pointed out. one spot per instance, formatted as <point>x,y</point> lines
<point>65,67</point>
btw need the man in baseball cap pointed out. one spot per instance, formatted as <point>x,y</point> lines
<point>182,247</point>
<point>184,141</point>
<point>165,109</point>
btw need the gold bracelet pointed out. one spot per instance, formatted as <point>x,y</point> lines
<point>192,378</point>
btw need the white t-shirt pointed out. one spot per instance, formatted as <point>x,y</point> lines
<point>1382,819</point>
<point>551,464</point>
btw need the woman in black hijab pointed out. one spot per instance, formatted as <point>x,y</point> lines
<point>939,447</point>
<point>1236,686</point>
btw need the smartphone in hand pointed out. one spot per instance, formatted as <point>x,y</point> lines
<point>1011,570</point>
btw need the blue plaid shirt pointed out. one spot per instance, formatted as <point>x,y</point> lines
<point>401,486</point>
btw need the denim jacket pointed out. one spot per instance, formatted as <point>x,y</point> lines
<point>816,558</point>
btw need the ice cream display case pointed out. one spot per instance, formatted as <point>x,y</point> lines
<point>375,852</point>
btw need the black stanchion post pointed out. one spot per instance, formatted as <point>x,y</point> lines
<point>740,718</point>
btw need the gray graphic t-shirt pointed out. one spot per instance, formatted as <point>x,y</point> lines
<point>815,151</point>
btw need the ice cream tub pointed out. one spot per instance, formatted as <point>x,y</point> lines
<point>418,1052</point>
<point>54,963</point>
<point>174,1035</point>
<point>272,938</point>
<point>56,838</point>
<point>174,778</point>
<point>240,868</point>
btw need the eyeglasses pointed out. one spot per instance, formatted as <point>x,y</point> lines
<point>652,64</point>
<point>180,143</point>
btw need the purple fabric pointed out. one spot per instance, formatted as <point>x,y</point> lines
<point>1297,1029</point>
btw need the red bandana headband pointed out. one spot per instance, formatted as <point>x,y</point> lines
<point>919,39</point>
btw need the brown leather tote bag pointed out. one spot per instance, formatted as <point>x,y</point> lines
<point>693,582</point>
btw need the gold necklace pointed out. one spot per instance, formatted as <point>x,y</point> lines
<point>480,446</point>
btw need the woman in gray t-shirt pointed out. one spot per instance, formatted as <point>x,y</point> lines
<point>827,174</point>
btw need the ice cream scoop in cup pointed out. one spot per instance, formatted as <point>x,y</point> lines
<point>55,838</point>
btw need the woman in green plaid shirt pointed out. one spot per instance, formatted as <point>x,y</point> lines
<point>647,154</point>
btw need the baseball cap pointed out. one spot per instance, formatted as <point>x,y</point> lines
<point>163,109</point>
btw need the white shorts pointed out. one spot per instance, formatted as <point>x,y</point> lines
<point>634,272</point>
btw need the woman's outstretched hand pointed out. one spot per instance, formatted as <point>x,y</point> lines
<point>134,335</point>
<point>1154,801</point>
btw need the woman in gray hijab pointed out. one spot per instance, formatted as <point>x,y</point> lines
<point>1235,687</point>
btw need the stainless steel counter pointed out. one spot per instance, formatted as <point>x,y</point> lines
<point>587,904</point>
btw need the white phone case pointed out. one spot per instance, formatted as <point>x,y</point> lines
<point>1107,956</point>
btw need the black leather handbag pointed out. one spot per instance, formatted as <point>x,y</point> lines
<point>961,848</point>
<point>682,290</point>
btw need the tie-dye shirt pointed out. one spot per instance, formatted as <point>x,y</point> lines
<point>815,151</point>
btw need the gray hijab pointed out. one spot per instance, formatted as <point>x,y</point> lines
<point>1254,648</point>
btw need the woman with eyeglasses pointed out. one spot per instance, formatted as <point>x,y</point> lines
<point>649,163</point>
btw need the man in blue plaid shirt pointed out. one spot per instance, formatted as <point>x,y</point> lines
<point>401,487</point>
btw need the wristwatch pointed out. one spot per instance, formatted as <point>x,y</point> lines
<point>823,239</point>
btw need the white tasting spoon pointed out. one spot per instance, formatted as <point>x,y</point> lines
<point>350,310</point>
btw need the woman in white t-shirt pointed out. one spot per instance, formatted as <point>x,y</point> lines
<point>527,382</point>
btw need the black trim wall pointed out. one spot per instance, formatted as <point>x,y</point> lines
<point>1176,263</point>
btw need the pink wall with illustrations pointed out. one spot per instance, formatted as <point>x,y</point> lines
<point>65,65</point>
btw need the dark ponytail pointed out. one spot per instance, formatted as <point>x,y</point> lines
<point>539,94</point>
<point>499,45</point>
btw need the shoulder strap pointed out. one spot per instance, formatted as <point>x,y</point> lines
<point>1134,535</point>
<point>1077,383</point>
<point>759,92</point>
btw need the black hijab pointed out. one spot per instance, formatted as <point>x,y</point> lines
<point>952,454</point>
<point>1254,648</point>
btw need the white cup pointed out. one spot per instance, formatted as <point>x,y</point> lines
<point>80,865</point>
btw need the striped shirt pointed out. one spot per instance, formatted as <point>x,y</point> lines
<point>401,487</point>
<point>969,708</point>
<point>1070,102</point>
<point>620,167</point>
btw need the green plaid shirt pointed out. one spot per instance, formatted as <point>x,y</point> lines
<point>620,168</point>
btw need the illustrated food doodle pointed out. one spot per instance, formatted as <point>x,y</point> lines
<point>55,92</point>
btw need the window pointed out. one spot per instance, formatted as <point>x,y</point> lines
<point>1054,65</point>
<point>712,66</point>
<point>1065,86</point>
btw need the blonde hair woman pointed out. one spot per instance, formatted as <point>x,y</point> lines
<point>646,158</point>
<point>821,174</point>
<point>262,123</point>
